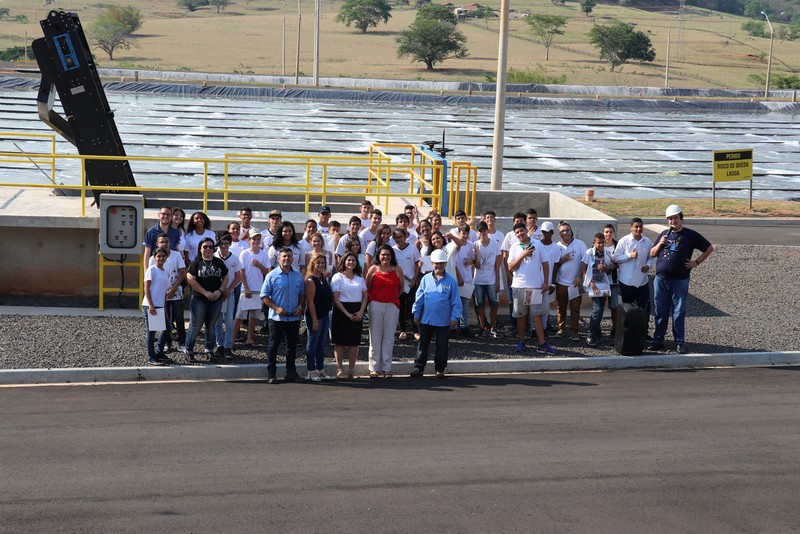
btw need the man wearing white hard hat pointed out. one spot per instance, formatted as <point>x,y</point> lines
<point>674,249</point>
<point>436,310</point>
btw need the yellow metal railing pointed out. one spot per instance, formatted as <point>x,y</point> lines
<point>37,159</point>
<point>138,290</point>
<point>463,171</point>
<point>390,170</point>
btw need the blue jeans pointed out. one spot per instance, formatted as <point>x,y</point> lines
<point>163,337</point>
<point>598,305</point>
<point>278,331</point>
<point>226,316</point>
<point>202,312</point>
<point>484,293</point>
<point>670,299</point>
<point>316,343</point>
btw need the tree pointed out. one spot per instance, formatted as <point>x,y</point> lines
<point>220,4</point>
<point>192,5</point>
<point>108,35</point>
<point>621,42</point>
<point>364,14</point>
<point>485,13</point>
<point>546,27</point>
<point>128,16</point>
<point>4,12</point>
<point>436,12</point>
<point>587,6</point>
<point>431,42</point>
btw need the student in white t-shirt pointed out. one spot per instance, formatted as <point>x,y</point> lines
<point>531,271</point>
<point>460,265</point>
<point>156,284</point>
<point>596,266</point>
<point>255,266</point>
<point>176,269</point>
<point>487,279</point>
<point>408,258</point>
<point>568,275</point>
<point>225,332</point>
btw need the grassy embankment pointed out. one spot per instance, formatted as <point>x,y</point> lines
<point>248,37</point>
<point>625,208</point>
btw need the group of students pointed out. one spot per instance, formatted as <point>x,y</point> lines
<point>333,280</point>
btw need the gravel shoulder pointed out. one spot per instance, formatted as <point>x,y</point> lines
<point>743,299</point>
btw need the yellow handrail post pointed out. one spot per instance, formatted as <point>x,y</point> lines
<point>53,160</point>
<point>205,186</point>
<point>83,186</point>
<point>101,291</point>
<point>225,181</point>
<point>308,185</point>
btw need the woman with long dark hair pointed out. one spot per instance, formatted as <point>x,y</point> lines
<point>385,285</point>
<point>207,275</point>
<point>349,302</point>
<point>199,227</point>
<point>286,237</point>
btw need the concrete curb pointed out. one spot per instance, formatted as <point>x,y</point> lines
<point>531,365</point>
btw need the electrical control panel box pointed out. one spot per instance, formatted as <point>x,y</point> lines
<point>121,223</point>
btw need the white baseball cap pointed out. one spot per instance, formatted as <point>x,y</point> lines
<point>673,209</point>
<point>439,256</point>
<point>547,226</point>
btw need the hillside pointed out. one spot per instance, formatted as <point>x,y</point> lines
<point>249,36</point>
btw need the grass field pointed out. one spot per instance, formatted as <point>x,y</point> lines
<point>625,208</point>
<point>249,37</point>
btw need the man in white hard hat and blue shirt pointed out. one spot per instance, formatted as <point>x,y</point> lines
<point>674,249</point>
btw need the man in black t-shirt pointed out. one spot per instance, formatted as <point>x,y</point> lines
<point>674,249</point>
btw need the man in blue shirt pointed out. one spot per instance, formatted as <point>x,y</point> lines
<point>163,226</point>
<point>284,293</point>
<point>436,311</point>
<point>674,249</point>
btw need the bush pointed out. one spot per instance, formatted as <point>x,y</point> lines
<point>538,75</point>
<point>15,53</point>
<point>786,81</point>
<point>755,28</point>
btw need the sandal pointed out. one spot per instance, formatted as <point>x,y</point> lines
<point>254,345</point>
<point>373,374</point>
<point>387,375</point>
<point>340,373</point>
<point>403,336</point>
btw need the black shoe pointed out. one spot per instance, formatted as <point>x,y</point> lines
<point>439,374</point>
<point>272,380</point>
<point>293,377</point>
<point>416,373</point>
<point>162,357</point>
<point>680,348</point>
<point>229,354</point>
<point>219,352</point>
<point>155,361</point>
<point>656,345</point>
<point>613,333</point>
<point>190,359</point>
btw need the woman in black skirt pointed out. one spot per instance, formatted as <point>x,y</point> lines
<point>349,303</point>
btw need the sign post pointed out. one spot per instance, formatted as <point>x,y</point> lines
<point>732,166</point>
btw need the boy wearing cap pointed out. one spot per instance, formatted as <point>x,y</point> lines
<point>436,310</point>
<point>323,217</point>
<point>674,249</point>
<point>268,235</point>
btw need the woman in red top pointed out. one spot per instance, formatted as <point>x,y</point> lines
<point>385,284</point>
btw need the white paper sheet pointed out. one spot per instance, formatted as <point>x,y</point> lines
<point>157,322</point>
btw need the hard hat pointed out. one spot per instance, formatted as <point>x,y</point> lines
<point>439,256</point>
<point>673,209</point>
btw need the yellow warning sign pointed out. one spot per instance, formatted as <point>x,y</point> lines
<point>733,165</point>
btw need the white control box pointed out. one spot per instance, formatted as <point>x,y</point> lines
<point>121,223</point>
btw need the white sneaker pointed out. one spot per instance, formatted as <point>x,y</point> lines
<point>313,376</point>
<point>325,376</point>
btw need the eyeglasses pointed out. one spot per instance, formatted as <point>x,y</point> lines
<point>207,247</point>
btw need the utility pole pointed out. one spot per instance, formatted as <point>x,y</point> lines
<point>769,57</point>
<point>297,58</point>
<point>500,100</point>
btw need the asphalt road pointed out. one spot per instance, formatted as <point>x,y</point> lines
<point>633,451</point>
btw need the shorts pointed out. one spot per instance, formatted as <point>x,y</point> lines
<point>521,309</point>
<point>483,292</point>
<point>256,315</point>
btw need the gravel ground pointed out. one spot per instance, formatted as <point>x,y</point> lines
<point>736,304</point>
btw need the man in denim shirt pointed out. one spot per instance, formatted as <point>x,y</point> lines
<point>284,293</point>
